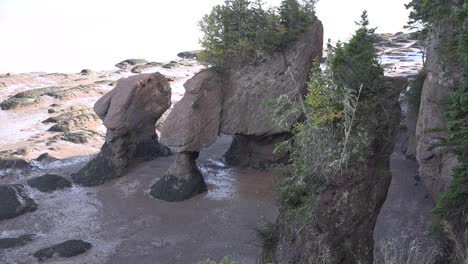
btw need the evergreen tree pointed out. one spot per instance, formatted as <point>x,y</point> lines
<point>240,31</point>
<point>355,64</point>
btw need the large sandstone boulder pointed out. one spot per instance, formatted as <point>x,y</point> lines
<point>129,112</point>
<point>194,122</point>
<point>436,163</point>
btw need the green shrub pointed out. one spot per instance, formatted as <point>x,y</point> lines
<point>355,64</point>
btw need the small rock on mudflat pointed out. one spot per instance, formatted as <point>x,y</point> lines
<point>66,249</point>
<point>15,242</point>
<point>46,158</point>
<point>14,201</point>
<point>86,72</point>
<point>49,183</point>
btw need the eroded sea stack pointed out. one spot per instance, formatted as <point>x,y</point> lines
<point>129,112</point>
<point>250,103</point>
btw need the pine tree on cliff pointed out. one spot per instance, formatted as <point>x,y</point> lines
<point>239,31</point>
<point>355,64</point>
<point>295,17</point>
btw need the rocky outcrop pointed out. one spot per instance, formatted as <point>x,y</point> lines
<point>35,96</point>
<point>129,63</point>
<point>67,249</point>
<point>15,201</point>
<point>252,101</point>
<point>49,183</point>
<point>435,162</point>
<point>257,102</point>
<point>72,120</point>
<point>257,96</point>
<point>129,112</point>
<point>183,180</point>
<point>336,223</point>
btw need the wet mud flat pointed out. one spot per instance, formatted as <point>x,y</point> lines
<point>125,225</point>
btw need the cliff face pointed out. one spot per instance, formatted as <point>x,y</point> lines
<point>336,224</point>
<point>253,100</point>
<point>435,162</point>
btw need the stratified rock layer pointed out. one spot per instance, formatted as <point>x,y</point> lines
<point>129,112</point>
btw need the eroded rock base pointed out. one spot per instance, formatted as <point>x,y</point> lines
<point>183,180</point>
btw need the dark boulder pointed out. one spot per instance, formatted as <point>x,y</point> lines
<point>13,163</point>
<point>189,55</point>
<point>49,183</point>
<point>86,72</point>
<point>66,249</point>
<point>15,201</point>
<point>45,157</point>
<point>15,242</point>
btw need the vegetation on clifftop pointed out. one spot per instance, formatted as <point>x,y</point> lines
<point>240,32</point>
<point>328,143</point>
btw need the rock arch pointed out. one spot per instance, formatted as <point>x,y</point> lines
<point>245,102</point>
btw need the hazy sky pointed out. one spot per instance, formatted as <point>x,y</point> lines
<point>69,35</point>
